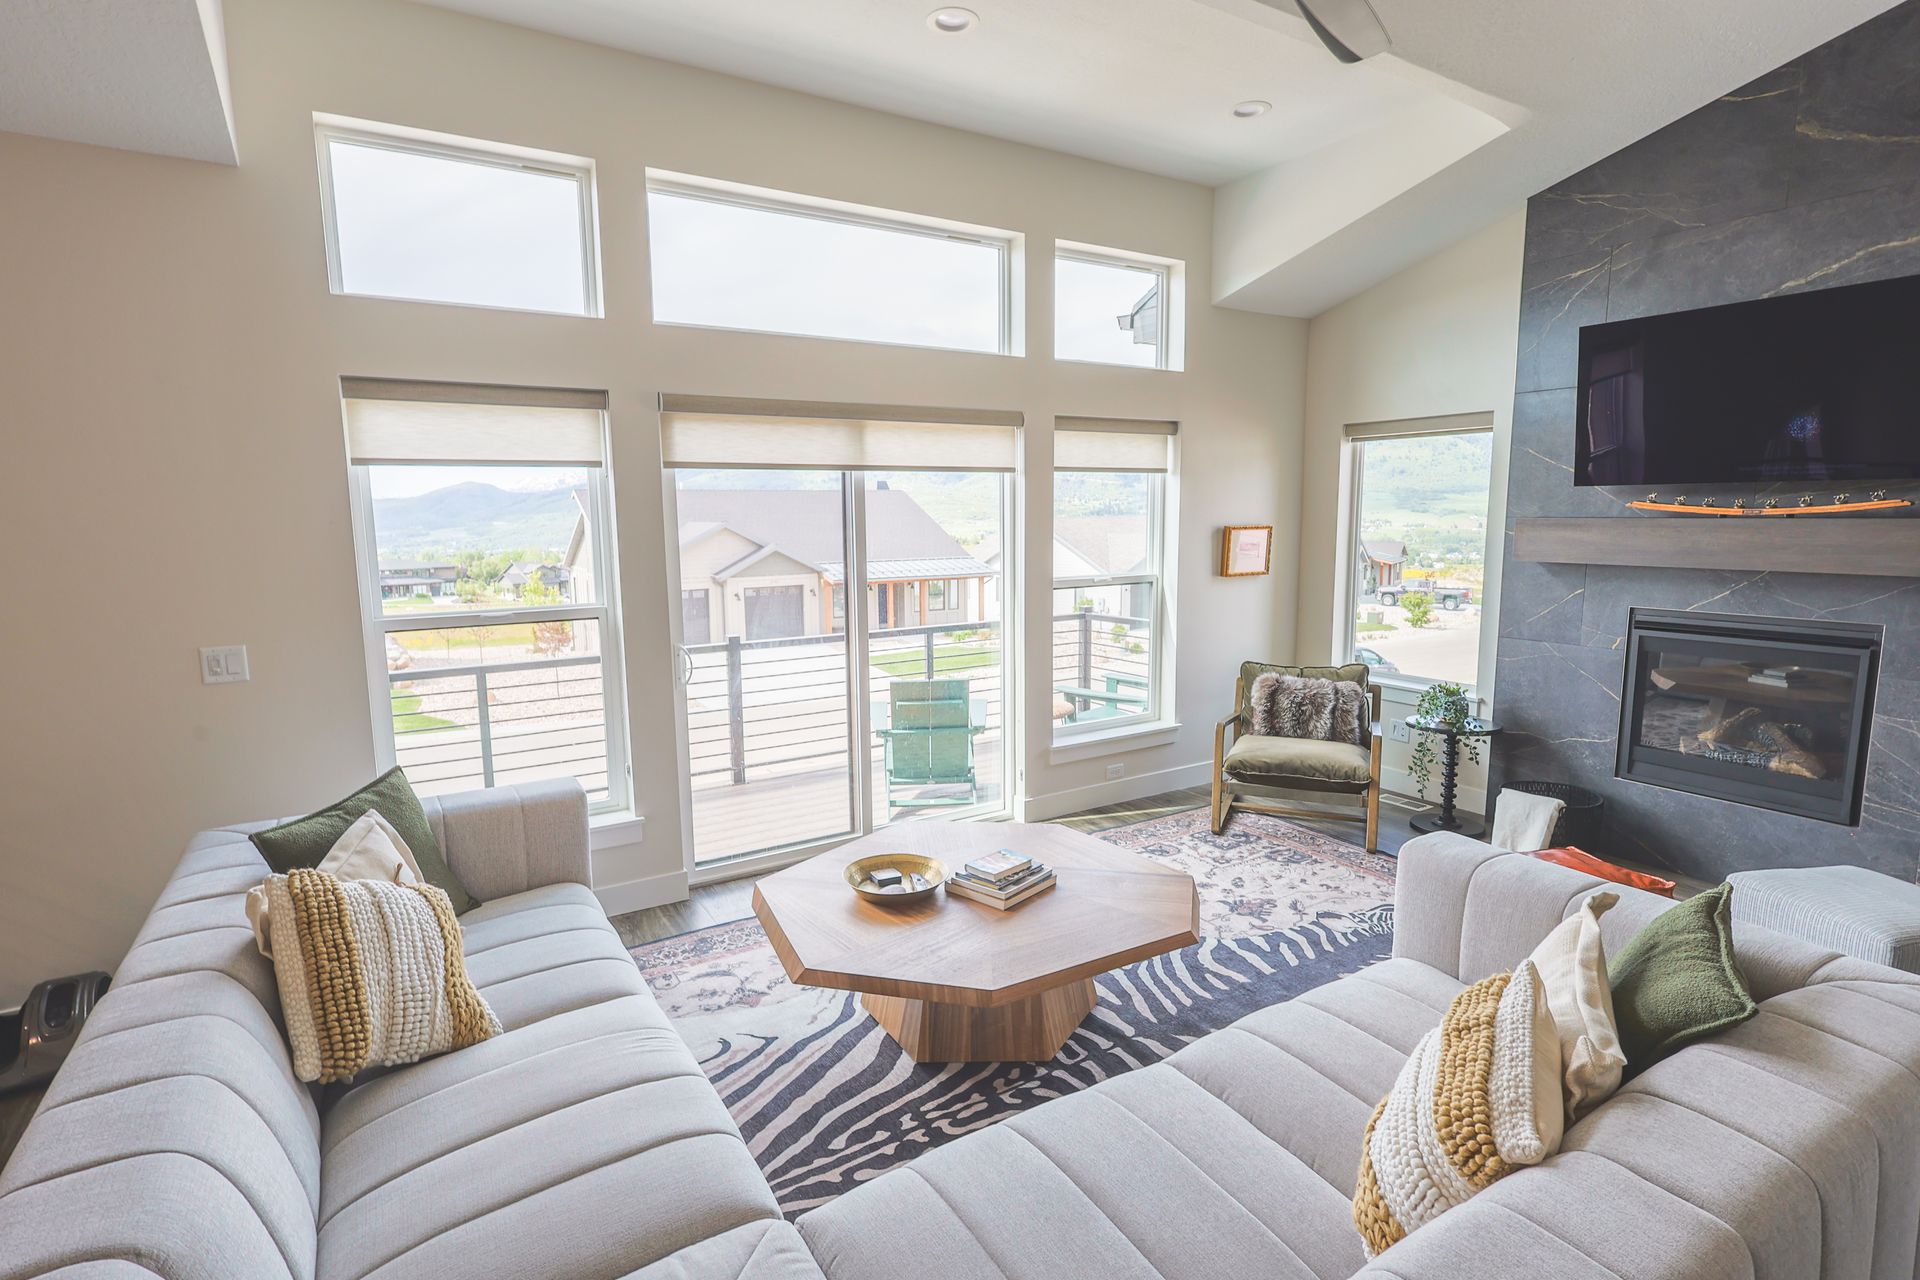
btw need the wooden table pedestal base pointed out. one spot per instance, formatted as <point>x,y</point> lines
<point>1029,1030</point>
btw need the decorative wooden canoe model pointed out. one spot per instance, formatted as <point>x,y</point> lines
<point>1832,508</point>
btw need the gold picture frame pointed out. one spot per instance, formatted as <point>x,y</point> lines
<point>1246,550</point>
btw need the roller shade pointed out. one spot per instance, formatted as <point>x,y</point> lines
<point>759,435</point>
<point>1112,444</point>
<point>391,421</point>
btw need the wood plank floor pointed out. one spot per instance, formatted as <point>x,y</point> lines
<point>728,900</point>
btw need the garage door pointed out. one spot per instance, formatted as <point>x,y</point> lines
<point>774,613</point>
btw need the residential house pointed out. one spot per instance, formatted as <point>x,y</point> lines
<point>1382,562</point>
<point>769,563</point>
<point>401,579</point>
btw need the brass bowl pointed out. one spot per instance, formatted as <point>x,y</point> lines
<point>932,870</point>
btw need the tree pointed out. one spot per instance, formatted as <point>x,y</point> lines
<point>549,637</point>
<point>1419,607</point>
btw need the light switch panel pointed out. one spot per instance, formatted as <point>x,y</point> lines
<point>224,664</point>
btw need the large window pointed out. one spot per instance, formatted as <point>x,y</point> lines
<point>1419,567</point>
<point>483,539</point>
<point>447,222</point>
<point>1111,310</point>
<point>735,260</point>
<point>1110,608</point>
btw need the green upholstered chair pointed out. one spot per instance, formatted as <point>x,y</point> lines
<point>929,742</point>
<point>1246,761</point>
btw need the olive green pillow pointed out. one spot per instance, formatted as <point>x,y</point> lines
<point>1676,982</point>
<point>305,841</point>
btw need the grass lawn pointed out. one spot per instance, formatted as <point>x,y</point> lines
<point>947,659</point>
<point>407,717</point>
<point>516,635</point>
<point>1374,628</point>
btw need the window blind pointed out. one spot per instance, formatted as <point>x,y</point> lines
<point>395,421</point>
<point>1112,444</point>
<point>1401,428</point>
<point>761,435</point>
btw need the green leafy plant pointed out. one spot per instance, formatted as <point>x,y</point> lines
<point>1419,607</point>
<point>1440,703</point>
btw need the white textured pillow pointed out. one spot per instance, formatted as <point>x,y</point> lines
<point>1572,963</point>
<point>370,849</point>
<point>1529,1115</point>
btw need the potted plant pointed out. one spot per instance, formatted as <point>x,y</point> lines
<point>1441,703</point>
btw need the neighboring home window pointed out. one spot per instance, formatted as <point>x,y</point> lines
<point>1110,609</point>
<point>1113,309</point>
<point>1420,542</point>
<point>481,525</point>
<point>457,221</point>
<point>732,258</point>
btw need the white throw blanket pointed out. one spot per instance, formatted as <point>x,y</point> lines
<point>1523,821</point>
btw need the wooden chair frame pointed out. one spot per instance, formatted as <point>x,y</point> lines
<point>1225,801</point>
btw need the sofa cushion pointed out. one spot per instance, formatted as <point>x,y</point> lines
<point>758,1251</point>
<point>1251,1135</point>
<point>544,952</point>
<point>304,842</point>
<point>1298,762</point>
<point>1677,982</point>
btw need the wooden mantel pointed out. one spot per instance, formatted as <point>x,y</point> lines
<point>1881,547</point>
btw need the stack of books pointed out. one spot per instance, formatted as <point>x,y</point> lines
<point>1001,879</point>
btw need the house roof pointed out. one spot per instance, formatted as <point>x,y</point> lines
<point>523,570</point>
<point>1385,550</point>
<point>1107,544</point>
<point>804,525</point>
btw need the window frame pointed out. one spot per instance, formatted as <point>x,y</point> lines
<point>377,625</point>
<point>1353,490</point>
<point>1005,243</point>
<point>395,138</point>
<point>1158,668</point>
<point>1163,272</point>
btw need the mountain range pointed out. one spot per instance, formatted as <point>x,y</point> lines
<point>475,516</point>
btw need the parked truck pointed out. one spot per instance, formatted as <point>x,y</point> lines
<point>1449,598</point>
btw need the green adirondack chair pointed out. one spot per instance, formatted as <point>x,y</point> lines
<point>929,743</point>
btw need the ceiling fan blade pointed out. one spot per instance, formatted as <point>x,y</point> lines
<point>1349,28</point>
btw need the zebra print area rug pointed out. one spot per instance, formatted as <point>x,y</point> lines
<point>826,1100</point>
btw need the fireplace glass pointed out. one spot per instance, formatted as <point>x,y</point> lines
<point>1770,712</point>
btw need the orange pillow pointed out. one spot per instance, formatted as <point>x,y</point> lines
<point>1581,860</point>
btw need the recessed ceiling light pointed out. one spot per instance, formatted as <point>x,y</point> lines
<point>1251,107</point>
<point>952,21</point>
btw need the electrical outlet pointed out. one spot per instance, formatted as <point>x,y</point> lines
<point>1398,731</point>
<point>1115,771</point>
<point>224,664</point>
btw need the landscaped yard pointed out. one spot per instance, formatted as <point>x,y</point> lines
<point>407,717</point>
<point>947,659</point>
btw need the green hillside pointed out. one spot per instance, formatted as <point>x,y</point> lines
<point>475,517</point>
<point>1430,493</point>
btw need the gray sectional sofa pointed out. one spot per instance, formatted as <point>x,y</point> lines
<point>584,1143</point>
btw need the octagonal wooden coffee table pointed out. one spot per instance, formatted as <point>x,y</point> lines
<point>956,981</point>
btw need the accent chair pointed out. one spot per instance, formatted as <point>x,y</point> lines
<point>1248,761</point>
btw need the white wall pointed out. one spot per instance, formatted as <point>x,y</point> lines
<point>1438,339</point>
<point>170,358</point>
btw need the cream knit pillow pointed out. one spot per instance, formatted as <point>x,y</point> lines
<point>1572,963</point>
<point>369,849</point>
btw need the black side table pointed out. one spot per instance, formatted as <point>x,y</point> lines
<point>1447,820</point>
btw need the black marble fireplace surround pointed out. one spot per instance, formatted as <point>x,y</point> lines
<point>1807,178</point>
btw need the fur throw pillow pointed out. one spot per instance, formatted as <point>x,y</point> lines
<point>1282,706</point>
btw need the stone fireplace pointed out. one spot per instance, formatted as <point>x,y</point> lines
<point>1771,712</point>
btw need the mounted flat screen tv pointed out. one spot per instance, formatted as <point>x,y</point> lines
<point>1820,389</point>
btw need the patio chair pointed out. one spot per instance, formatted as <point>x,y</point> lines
<point>1266,764</point>
<point>929,742</point>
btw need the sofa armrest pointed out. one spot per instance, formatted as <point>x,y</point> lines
<point>508,839</point>
<point>1469,909</point>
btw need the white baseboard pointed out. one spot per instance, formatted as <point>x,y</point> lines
<point>638,895</point>
<point>1057,804</point>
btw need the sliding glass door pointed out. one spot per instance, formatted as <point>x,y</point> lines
<point>827,694</point>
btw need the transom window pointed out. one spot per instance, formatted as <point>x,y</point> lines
<point>457,221</point>
<point>483,542</point>
<point>733,258</point>
<point>1112,309</point>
